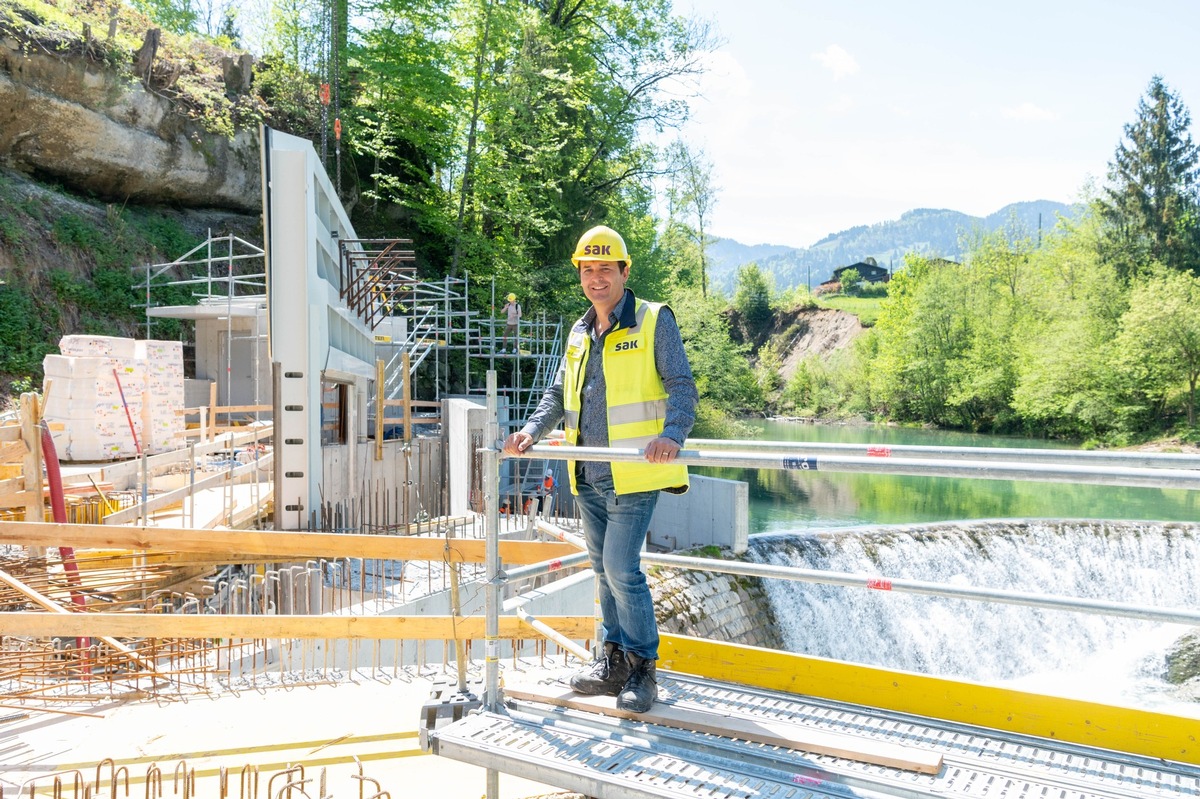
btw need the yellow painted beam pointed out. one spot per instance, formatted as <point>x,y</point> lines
<point>225,545</point>
<point>163,625</point>
<point>1076,721</point>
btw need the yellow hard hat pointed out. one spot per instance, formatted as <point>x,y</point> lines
<point>601,244</point>
<point>511,296</point>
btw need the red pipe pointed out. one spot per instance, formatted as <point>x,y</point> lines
<point>58,510</point>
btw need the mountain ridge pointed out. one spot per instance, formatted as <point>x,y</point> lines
<point>926,231</point>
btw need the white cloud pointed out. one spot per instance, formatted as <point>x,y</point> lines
<point>1029,113</point>
<point>837,61</point>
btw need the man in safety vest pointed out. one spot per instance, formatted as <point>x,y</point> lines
<point>624,381</point>
<point>545,490</point>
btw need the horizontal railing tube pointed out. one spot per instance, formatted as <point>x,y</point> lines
<point>1152,460</point>
<point>545,567</point>
<point>1188,479</point>
<point>1050,602</point>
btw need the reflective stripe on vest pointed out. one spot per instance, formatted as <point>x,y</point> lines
<point>636,397</point>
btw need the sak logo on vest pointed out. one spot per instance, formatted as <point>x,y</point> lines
<point>597,249</point>
<point>625,346</point>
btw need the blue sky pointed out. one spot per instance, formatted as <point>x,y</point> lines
<point>819,116</point>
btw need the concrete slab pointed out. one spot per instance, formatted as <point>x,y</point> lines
<point>372,721</point>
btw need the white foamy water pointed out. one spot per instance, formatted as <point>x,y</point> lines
<point>1099,658</point>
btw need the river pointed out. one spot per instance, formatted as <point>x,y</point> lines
<point>930,529</point>
<point>789,501</point>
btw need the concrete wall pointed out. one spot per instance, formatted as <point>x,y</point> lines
<point>351,474</point>
<point>465,422</point>
<point>714,512</point>
<point>313,336</point>
<point>566,595</point>
<point>249,366</point>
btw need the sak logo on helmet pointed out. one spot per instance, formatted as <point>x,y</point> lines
<point>601,244</point>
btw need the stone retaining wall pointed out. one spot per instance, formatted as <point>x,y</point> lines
<point>723,607</point>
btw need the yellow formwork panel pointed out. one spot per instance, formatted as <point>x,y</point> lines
<point>1076,721</point>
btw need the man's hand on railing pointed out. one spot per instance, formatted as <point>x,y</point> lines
<point>662,450</point>
<point>517,443</point>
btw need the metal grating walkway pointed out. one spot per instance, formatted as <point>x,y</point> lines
<point>612,758</point>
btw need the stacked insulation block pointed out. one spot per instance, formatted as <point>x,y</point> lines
<point>106,396</point>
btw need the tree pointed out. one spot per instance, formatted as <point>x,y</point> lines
<point>752,296</point>
<point>692,193</point>
<point>1066,381</point>
<point>923,328</point>
<point>1150,204</point>
<point>1159,342</point>
<point>177,16</point>
<point>849,280</point>
<point>724,378</point>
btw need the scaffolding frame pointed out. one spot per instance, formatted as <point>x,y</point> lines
<point>378,280</point>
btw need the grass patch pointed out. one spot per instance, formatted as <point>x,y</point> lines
<point>865,308</point>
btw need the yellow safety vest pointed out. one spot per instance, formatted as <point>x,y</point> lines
<point>637,400</point>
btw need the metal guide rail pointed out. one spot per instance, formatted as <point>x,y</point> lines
<point>612,758</point>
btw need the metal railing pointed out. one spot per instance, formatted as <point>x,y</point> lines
<point>797,459</point>
<point>1160,470</point>
<point>1151,460</point>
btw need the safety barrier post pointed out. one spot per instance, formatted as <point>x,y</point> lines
<point>491,497</point>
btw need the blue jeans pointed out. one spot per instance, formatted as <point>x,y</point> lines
<point>615,529</point>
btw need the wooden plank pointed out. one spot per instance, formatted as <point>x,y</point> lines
<point>176,496</point>
<point>13,451</point>
<point>12,492</point>
<point>32,462</point>
<point>10,432</point>
<point>120,472</point>
<point>280,546</point>
<point>167,625</point>
<point>775,733</point>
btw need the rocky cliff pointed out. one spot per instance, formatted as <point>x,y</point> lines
<point>69,115</point>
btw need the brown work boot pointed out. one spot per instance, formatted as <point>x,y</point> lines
<point>641,689</point>
<point>606,675</point>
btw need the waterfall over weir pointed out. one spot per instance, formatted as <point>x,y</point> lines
<point>1100,658</point>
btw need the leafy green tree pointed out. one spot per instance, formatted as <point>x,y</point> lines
<point>565,93</point>
<point>1066,382</point>
<point>922,329</point>
<point>1159,342</point>
<point>849,280</point>
<point>767,369</point>
<point>692,194</point>
<point>1150,204</point>
<point>752,296</point>
<point>177,16</point>
<point>726,383</point>
<point>401,124</point>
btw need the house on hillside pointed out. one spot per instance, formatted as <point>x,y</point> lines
<point>868,270</point>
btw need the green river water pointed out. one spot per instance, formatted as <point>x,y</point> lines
<point>804,500</point>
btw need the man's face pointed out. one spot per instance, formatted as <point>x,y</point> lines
<point>603,282</point>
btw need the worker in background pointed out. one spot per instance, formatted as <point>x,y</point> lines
<point>544,490</point>
<point>512,314</point>
<point>626,353</point>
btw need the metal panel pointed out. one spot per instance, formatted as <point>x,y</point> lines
<point>618,759</point>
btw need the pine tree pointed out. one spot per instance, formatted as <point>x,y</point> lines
<point>1150,204</point>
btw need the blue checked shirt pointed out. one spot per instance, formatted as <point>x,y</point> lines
<point>669,358</point>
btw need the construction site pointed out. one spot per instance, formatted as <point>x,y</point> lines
<point>259,565</point>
